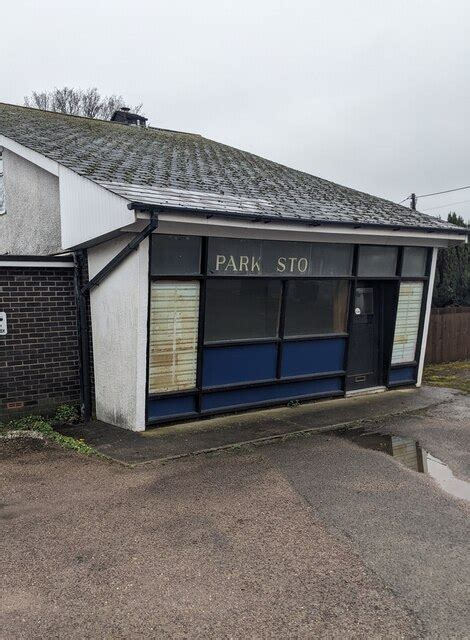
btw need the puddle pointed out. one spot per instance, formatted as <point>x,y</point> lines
<point>409,453</point>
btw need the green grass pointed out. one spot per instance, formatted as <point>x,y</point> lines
<point>453,375</point>
<point>44,426</point>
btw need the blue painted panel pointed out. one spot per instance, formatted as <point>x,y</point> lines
<point>239,363</point>
<point>162,407</point>
<point>403,375</point>
<point>313,356</point>
<point>272,392</point>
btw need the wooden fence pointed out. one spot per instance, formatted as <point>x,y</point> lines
<point>449,335</point>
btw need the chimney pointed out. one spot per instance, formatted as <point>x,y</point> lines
<point>124,116</point>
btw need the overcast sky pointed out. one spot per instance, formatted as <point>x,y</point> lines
<point>372,94</point>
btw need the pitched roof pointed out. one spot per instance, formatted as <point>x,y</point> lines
<point>190,172</point>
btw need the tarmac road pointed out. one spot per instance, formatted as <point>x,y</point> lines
<point>310,538</point>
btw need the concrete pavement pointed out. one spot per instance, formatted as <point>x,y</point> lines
<point>255,426</point>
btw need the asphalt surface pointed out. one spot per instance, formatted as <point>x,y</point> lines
<point>310,538</point>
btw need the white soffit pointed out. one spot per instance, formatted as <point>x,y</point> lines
<point>193,224</point>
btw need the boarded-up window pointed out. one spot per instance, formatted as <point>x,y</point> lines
<point>407,324</point>
<point>174,313</point>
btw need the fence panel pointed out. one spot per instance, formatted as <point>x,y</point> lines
<point>449,335</point>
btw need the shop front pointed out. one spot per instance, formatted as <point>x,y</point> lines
<point>242,323</point>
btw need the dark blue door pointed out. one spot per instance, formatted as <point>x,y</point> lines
<point>365,338</point>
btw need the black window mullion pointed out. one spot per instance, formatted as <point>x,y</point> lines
<point>202,316</point>
<point>282,319</point>
<point>355,260</point>
<point>400,261</point>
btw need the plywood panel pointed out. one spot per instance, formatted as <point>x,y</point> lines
<point>407,322</point>
<point>174,313</point>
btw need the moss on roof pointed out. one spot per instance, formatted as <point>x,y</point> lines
<point>110,152</point>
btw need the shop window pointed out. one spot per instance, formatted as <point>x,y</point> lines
<point>2,187</point>
<point>331,260</point>
<point>407,322</point>
<point>238,309</point>
<point>174,314</point>
<point>414,261</point>
<point>376,261</point>
<point>316,307</point>
<point>175,255</point>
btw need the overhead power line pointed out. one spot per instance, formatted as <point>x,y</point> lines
<point>449,204</point>
<point>437,193</point>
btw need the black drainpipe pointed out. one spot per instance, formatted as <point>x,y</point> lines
<point>81,292</point>
<point>83,338</point>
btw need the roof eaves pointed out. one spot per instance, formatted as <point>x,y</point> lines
<point>158,208</point>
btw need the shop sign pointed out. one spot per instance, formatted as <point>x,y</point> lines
<point>229,256</point>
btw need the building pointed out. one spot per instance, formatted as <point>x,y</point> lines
<point>214,280</point>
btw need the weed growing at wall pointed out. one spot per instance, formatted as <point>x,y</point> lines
<point>43,426</point>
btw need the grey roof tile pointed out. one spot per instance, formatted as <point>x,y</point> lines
<point>185,170</point>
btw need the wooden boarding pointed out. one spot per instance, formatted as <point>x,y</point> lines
<point>449,335</point>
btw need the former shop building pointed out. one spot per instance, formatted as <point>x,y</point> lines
<point>205,279</point>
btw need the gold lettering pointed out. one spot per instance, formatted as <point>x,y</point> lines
<point>244,263</point>
<point>231,264</point>
<point>255,264</point>
<point>219,262</point>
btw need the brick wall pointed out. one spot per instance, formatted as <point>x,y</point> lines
<point>39,355</point>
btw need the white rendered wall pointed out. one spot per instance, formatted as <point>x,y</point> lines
<point>31,224</point>
<point>427,316</point>
<point>119,327</point>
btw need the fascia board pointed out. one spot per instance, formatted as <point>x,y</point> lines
<point>88,211</point>
<point>171,222</point>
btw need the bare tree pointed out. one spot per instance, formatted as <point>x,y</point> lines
<point>78,102</point>
<point>92,104</point>
<point>39,100</point>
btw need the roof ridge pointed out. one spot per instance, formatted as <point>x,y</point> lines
<point>81,117</point>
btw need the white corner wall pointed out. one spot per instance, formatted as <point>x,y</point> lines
<point>119,328</point>
<point>427,316</point>
<point>88,211</point>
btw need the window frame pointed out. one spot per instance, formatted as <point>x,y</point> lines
<point>260,339</point>
<point>310,336</point>
<point>282,339</point>
<point>398,261</point>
